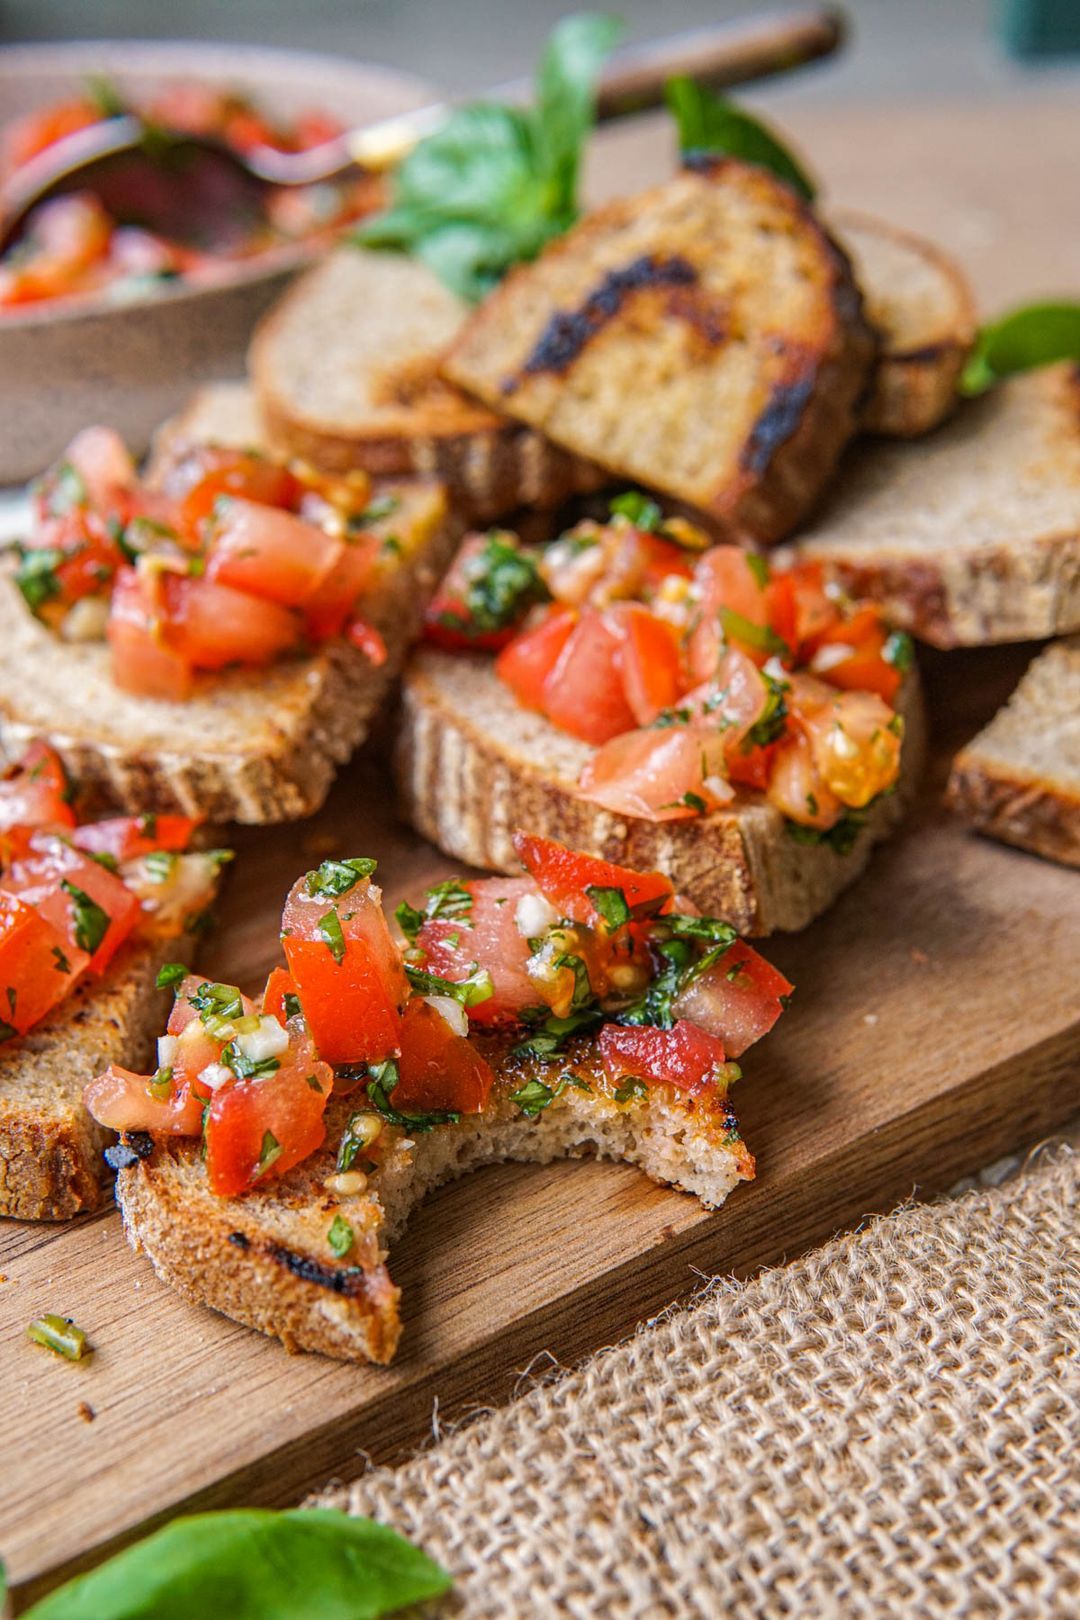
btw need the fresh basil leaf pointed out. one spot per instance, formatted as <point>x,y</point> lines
<point>638,509</point>
<point>91,920</point>
<point>409,920</point>
<point>269,1153</point>
<point>771,724</point>
<point>611,904</point>
<point>547,1038</point>
<point>762,637</point>
<point>335,878</point>
<point>384,1077</point>
<point>899,650</point>
<point>330,932</point>
<point>246,1068</point>
<point>566,98</point>
<point>1034,335</point>
<point>36,574</point>
<point>292,1006</point>
<point>534,1096</point>
<point>469,992</point>
<point>449,899</point>
<point>501,583</point>
<point>630,1088</point>
<point>216,1003</point>
<point>340,1237</point>
<point>710,123</point>
<point>254,1564</point>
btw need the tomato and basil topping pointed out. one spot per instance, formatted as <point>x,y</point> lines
<point>71,893</point>
<point>76,245</point>
<point>232,560</point>
<point>693,672</point>
<point>580,975</point>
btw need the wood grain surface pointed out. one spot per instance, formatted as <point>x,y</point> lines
<point>936,1025</point>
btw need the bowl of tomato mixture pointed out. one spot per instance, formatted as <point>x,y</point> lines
<point>111,325</point>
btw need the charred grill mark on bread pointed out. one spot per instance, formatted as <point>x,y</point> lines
<point>777,422</point>
<point>568,331</point>
<point>350,1281</point>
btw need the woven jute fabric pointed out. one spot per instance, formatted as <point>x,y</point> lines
<point>888,1426</point>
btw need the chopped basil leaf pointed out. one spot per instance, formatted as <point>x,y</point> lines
<point>762,637</point>
<point>709,123</point>
<point>335,878</point>
<point>60,960</point>
<point>292,1006</point>
<point>160,865</point>
<point>36,574</point>
<point>409,920</point>
<point>103,858</point>
<point>671,717</point>
<point>841,837</point>
<point>1034,335</point>
<point>896,725</point>
<point>759,567</point>
<point>64,489</point>
<point>246,1068</point>
<point>630,1087</point>
<point>611,904</point>
<point>534,1096</point>
<point>899,650</point>
<point>312,1082</point>
<point>269,1153</point>
<point>217,1004</point>
<point>469,992</point>
<point>638,509</point>
<point>329,930</point>
<point>550,1034</point>
<point>169,974</point>
<point>8,1031</point>
<point>501,583</point>
<point>148,823</point>
<point>771,724</point>
<point>710,929</point>
<point>340,1237</point>
<point>374,512</point>
<point>91,921</point>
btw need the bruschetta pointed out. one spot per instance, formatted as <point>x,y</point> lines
<point>639,694</point>
<point>88,912</point>
<point>576,1008</point>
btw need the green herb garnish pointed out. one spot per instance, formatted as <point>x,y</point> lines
<point>772,721</point>
<point>91,921</point>
<point>328,928</point>
<point>630,1087</point>
<point>469,992</point>
<point>170,974</point>
<point>340,1237</point>
<point>611,904</point>
<point>762,637</point>
<point>534,1096</point>
<point>496,183</point>
<point>246,1068</point>
<point>448,900</point>
<point>384,1077</point>
<point>269,1153</point>
<point>899,650</point>
<point>841,837</point>
<point>502,582</point>
<point>640,510</point>
<point>335,878</point>
<point>292,1006</point>
<point>36,574</point>
<point>708,123</point>
<point>160,865</point>
<point>1031,336</point>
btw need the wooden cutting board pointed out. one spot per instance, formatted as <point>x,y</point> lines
<point>936,1025</point>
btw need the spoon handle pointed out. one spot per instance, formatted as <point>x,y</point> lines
<point>634,79</point>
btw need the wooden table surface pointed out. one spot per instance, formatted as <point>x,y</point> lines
<point>937,1025</point>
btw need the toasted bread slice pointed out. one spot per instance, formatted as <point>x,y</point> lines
<point>705,338</point>
<point>472,765</point>
<point>51,1164</point>
<point>346,372</point>
<point>1019,779</point>
<point>251,745</point>
<point>264,1259</point>
<point>921,304</point>
<point>973,535</point>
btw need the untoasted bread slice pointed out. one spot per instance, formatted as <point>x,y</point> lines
<point>264,1259</point>
<point>921,304</point>
<point>346,372</point>
<point>472,765</point>
<point>51,1164</point>
<point>704,338</point>
<point>1019,779</point>
<point>251,745</point>
<point>973,535</point>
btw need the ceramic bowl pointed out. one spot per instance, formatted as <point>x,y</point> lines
<point>131,364</point>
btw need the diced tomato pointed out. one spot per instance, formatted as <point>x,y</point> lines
<point>438,1068</point>
<point>38,965</point>
<point>753,767</point>
<point>795,785</point>
<point>647,658</point>
<point>36,792</point>
<point>103,462</point>
<point>738,999</point>
<point>270,553</point>
<point>488,937</point>
<point>815,610</point>
<point>125,838</point>
<point>258,1129</point>
<point>563,876</point>
<point>123,1101</point>
<point>726,578</point>
<point>850,655</point>
<point>685,1056</point>
<point>327,610</point>
<point>658,774</point>
<point>212,625</point>
<point>527,661</point>
<point>854,739</point>
<point>584,692</point>
<point>142,662</point>
<point>197,1046</point>
<point>365,636</point>
<point>219,471</point>
<point>447,621</point>
<point>347,969</point>
<point>92,907</point>
<point>279,985</point>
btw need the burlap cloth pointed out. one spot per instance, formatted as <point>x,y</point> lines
<point>887,1426</point>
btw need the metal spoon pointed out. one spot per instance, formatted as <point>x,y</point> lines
<point>191,187</point>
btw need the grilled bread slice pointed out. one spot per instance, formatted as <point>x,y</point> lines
<point>922,307</point>
<point>251,745</point>
<point>51,1164</point>
<point>705,339</point>
<point>472,765</point>
<point>265,1260</point>
<point>346,372</point>
<point>973,535</point>
<point>1019,779</point>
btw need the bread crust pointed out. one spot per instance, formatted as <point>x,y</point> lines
<point>51,1165</point>
<point>914,383</point>
<point>489,464</point>
<point>264,1260</point>
<point>646,284</point>
<point>1017,807</point>
<point>258,745</point>
<point>471,766</point>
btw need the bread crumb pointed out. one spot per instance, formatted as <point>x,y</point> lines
<point>870,1018</point>
<point>86,1412</point>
